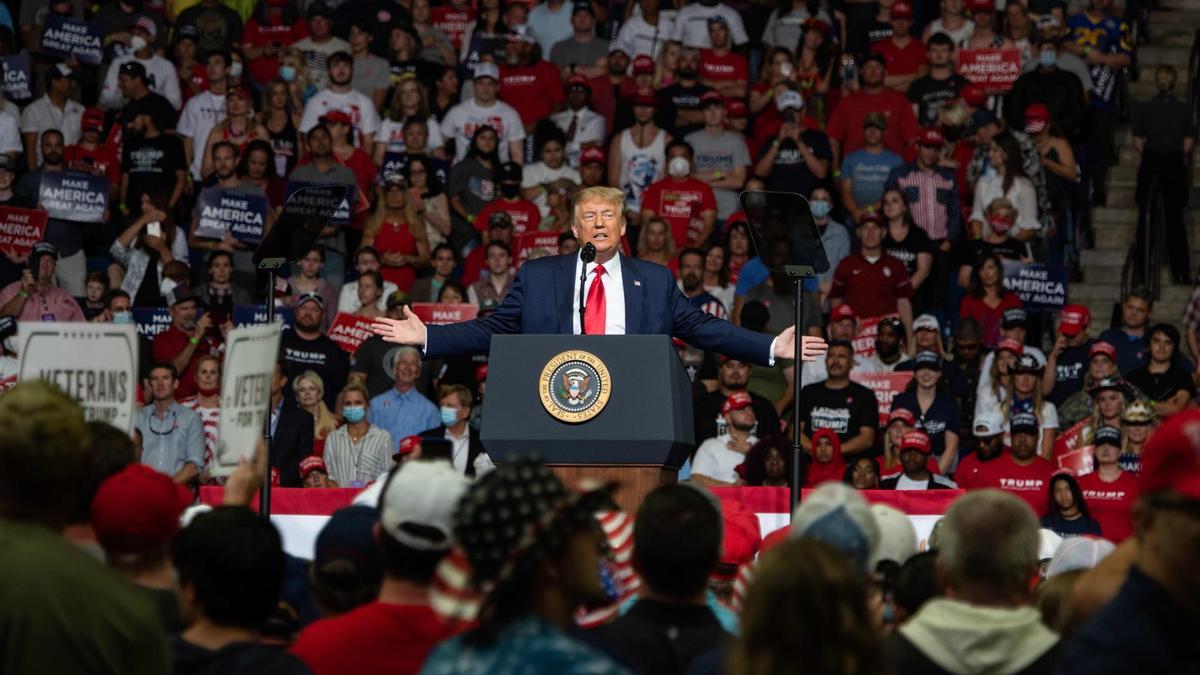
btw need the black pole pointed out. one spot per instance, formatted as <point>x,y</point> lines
<point>264,495</point>
<point>797,355</point>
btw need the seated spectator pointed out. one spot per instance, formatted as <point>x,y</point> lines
<point>426,289</point>
<point>1010,182</point>
<point>873,283</point>
<point>717,458</point>
<point>862,474</point>
<point>292,431</point>
<point>1067,361</point>
<point>310,393</point>
<point>370,294</point>
<point>769,463</point>
<point>1101,364</point>
<point>461,122</point>
<point>230,564</point>
<point>842,326</point>
<point>866,170</point>
<point>1067,513</point>
<point>846,407</point>
<point>402,410</point>
<point>914,457</point>
<point>1137,423</point>
<point>92,302</point>
<point>357,452</point>
<point>903,54</point>
<point>466,451</point>
<point>685,202</point>
<point>307,347</point>
<point>314,473</point>
<point>397,629</point>
<point>676,542</point>
<point>889,353</point>
<point>987,299</point>
<point>988,432</point>
<point>499,229</point>
<point>1020,471</point>
<point>410,104</point>
<point>933,409</point>
<point>347,567</point>
<point>221,293</point>
<point>1110,491</point>
<point>826,462</point>
<point>365,260</point>
<point>36,297</point>
<point>1110,397</point>
<point>732,376</point>
<point>987,553</point>
<point>1165,383</point>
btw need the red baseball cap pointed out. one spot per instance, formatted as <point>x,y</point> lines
<point>870,217</point>
<point>407,445</point>
<point>841,313</point>
<point>481,373</point>
<point>1171,458</point>
<point>902,9</point>
<point>742,539</point>
<point>915,440</point>
<point>136,510</point>
<point>337,117</point>
<point>711,97</point>
<point>1101,348</point>
<point>902,415</point>
<point>275,477</point>
<point>974,6</point>
<point>592,154</point>
<point>973,95</point>
<point>310,464</point>
<point>1074,320</point>
<point>577,80</point>
<point>643,65</point>
<point>736,108</point>
<point>931,136</point>
<point>1037,116</point>
<point>244,94</point>
<point>643,96</point>
<point>1011,345</point>
<point>736,401</point>
<point>93,118</point>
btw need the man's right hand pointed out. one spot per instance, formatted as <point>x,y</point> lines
<point>28,283</point>
<point>202,325</point>
<point>407,330</point>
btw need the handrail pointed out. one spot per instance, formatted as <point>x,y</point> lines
<point>1144,262</point>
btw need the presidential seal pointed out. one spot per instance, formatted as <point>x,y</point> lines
<point>574,386</point>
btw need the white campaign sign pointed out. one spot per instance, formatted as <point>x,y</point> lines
<point>250,353</point>
<point>94,363</point>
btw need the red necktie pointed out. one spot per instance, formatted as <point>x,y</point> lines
<point>574,126</point>
<point>593,317</point>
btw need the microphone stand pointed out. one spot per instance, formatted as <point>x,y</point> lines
<point>798,273</point>
<point>587,254</point>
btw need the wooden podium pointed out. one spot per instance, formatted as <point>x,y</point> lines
<point>602,407</point>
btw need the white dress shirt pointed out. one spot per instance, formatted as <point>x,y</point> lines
<point>614,295</point>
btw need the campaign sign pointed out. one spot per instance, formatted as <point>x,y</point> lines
<point>885,386</point>
<point>303,204</point>
<point>151,321</point>
<point>534,245</point>
<point>253,315</point>
<point>63,37</point>
<point>393,162</point>
<point>993,69</point>
<point>93,363</point>
<point>1042,288</point>
<point>350,331</point>
<point>250,354</point>
<point>1078,462</point>
<point>74,195</point>
<point>868,328</point>
<point>16,76</point>
<point>440,313</point>
<point>241,214</point>
<point>20,229</point>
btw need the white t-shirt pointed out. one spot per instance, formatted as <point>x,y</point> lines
<point>359,106</point>
<point>391,132</point>
<point>42,115</point>
<point>985,370</point>
<point>348,298</point>
<point>691,25</point>
<point>540,174</point>
<point>903,482</point>
<point>638,37</point>
<point>462,120</point>
<point>715,460</point>
<point>160,77</point>
<point>10,137</point>
<point>201,113</point>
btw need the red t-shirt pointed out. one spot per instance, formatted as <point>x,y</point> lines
<point>846,122</point>
<point>1030,483</point>
<point>102,158</point>
<point>871,289</point>
<point>169,343</point>
<point>453,22</point>
<point>728,68</point>
<point>681,204</point>
<point>532,90</point>
<point>266,68</point>
<point>901,60</point>
<point>524,214</point>
<point>1111,504</point>
<point>375,638</point>
<point>966,474</point>
<point>991,319</point>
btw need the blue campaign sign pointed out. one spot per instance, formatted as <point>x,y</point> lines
<point>151,321</point>
<point>74,195</point>
<point>301,206</point>
<point>17,85</point>
<point>251,315</point>
<point>242,214</point>
<point>63,37</point>
<point>1041,287</point>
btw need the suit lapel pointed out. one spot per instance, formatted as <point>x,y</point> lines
<point>564,292</point>
<point>634,288</point>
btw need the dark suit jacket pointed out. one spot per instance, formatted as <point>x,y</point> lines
<point>936,482</point>
<point>292,442</point>
<point>474,445</point>
<point>541,300</point>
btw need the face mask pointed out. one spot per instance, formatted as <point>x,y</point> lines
<point>287,73</point>
<point>354,413</point>
<point>137,43</point>
<point>679,167</point>
<point>449,416</point>
<point>235,69</point>
<point>820,208</point>
<point>123,317</point>
<point>1048,58</point>
<point>509,190</point>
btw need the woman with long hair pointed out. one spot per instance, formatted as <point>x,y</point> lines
<point>1062,172</point>
<point>928,398</point>
<point>900,421</point>
<point>478,168</point>
<point>768,463</point>
<point>192,74</point>
<point>665,64</point>
<point>293,69</point>
<point>429,198</point>
<point>310,396</point>
<point>863,474</point>
<point>908,243</point>
<point>779,69</point>
<point>397,231</point>
<point>815,64</point>
<point>987,299</point>
<point>1025,396</point>
<point>239,127</point>
<point>738,243</point>
<point>222,292</point>
<point>807,602</point>
<point>1066,510</point>
<point>1110,397</point>
<point>1137,423</point>
<point>370,291</point>
<point>490,22</point>
<point>257,167</point>
<point>655,243</point>
<point>716,275</point>
<point>1109,490</point>
<point>411,101</point>
<point>281,118</point>
<point>1007,180</point>
<point>140,256</point>
<point>993,389</point>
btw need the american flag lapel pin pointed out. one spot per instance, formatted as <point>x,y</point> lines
<point>636,282</point>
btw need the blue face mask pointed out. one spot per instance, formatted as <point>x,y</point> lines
<point>354,413</point>
<point>287,73</point>
<point>1048,58</point>
<point>820,208</point>
<point>123,317</point>
<point>449,416</point>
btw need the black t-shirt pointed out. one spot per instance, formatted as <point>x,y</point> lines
<point>239,658</point>
<point>322,356</point>
<point>876,31</point>
<point>1070,528</point>
<point>844,410</point>
<point>972,252</point>
<point>914,244</point>
<point>928,94</point>
<point>678,97</point>
<point>151,164</point>
<point>789,171</point>
<point>1069,372</point>
<point>941,417</point>
<point>164,114</point>
<point>1161,386</point>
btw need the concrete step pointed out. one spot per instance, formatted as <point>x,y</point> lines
<point>1109,291</point>
<point>1127,156</point>
<point>1121,237</point>
<point>1125,175</point>
<point>1154,54</point>
<point>1175,18</point>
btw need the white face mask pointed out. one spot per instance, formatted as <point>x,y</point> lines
<point>679,167</point>
<point>137,43</point>
<point>235,69</point>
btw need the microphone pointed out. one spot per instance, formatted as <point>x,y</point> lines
<point>587,254</point>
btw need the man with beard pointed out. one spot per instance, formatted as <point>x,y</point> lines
<point>323,168</point>
<point>691,282</point>
<point>733,376</point>
<point>225,179</point>
<point>341,95</point>
<point>151,161</point>
<point>611,91</point>
<point>305,347</point>
<point>679,107</point>
<point>1020,471</point>
<point>188,338</point>
<point>846,407</point>
<point>718,457</point>
<point>171,436</point>
<point>583,52</point>
<point>842,326</point>
<point>529,84</point>
<point>988,430</point>
<point>914,458</point>
<point>888,356</point>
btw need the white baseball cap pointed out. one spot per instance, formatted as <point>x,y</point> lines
<point>838,515</point>
<point>926,322</point>
<point>897,536</point>
<point>487,69</point>
<point>789,99</point>
<point>1079,553</point>
<point>418,503</point>
<point>989,423</point>
<point>1048,543</point>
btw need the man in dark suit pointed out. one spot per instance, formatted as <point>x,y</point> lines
<point>466,450</point>
<point>623,296</point>
<point>291,432</point>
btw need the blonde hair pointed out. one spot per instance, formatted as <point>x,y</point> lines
<point>668,247</point>
<point>414,220</point>
<point>1001,205</point>
<point>324,422</point>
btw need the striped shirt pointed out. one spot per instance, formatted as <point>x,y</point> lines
<point>363,461</point>
<point>932,198</point>
<point>211,418</point>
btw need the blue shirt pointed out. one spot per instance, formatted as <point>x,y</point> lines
<point>754,272</point>
<point>403,414</point>
<point>867,173</point>
<point>941,417</point>
<point>170,441</point>
<point>1133,351</point>
<point>1108,35</point>
<point>529,645</point>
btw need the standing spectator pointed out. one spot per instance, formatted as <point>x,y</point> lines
<point>903,54</point>
<point>152,161</point>
<point>460,123</point>
<point>143,257</point>
<point>1067,512</point>
<point>582,126</point>
<point>686,203</point>
<point>843,327</point>
<point>717,458</point>
<point>929,91</point>
<point>835,237</point>
<point>397,231</point>
<point>1066,364</point>
<point>523,213</point>
<point>307,281</point>
<point>691,282</point>
<point>342,96</point>
<point>952,21</point>
<point>732,376</point>
<point>188,338</point>
<point>890,352</point>
<point>36,297</point>
<point>291,430</point>
<point>987,299</point>
<point>798,158</point>
<point>1101,365</point>
<point>1059,90</point>
<point>637,156</point>
<point>865,171</point>
<point>220,28</point>
<point>1109,491</point>
<point>358,452</point>
<point>495,286</point>
<point>1168,385</point>
<point>846,121</point>
<point>914,456</point>
<point>160,72</point>
<point>402,410</point>
<point>873,283</point>
<point>931,190</point>
<point>680,106</point>
<point>472,185</point>
<point>1131,337</point>
<point>987,554</point>
<point>1025,396</point>
<point>1163,134</point>
<point>1007,181</point>
<point>467,455</point>
<point>984,127</point>
<point>988,432</point>
<point>910,245</point>
<point>721,155</point>
<point>934,410</point>
<point>691,24</point>
<point>720,67</point>
<point>204,111</point>
<point>372,74</point>
<point>551,22</point>
<point>426,289</point>
<point>323,168</point>
<point>171,437</point>
<point>984,36</point>
<point>91,152</point>
<point>1021,471</point>
<point>528,83</point>
<point>54,110</point>
<point>320,44</point>
<point>270,29</point>
<point>847,408</point>
<point>306,347</point>
<point>582,52</point>
<point>310,390</point>
<point>66,236</point>
<point>647,29</point>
